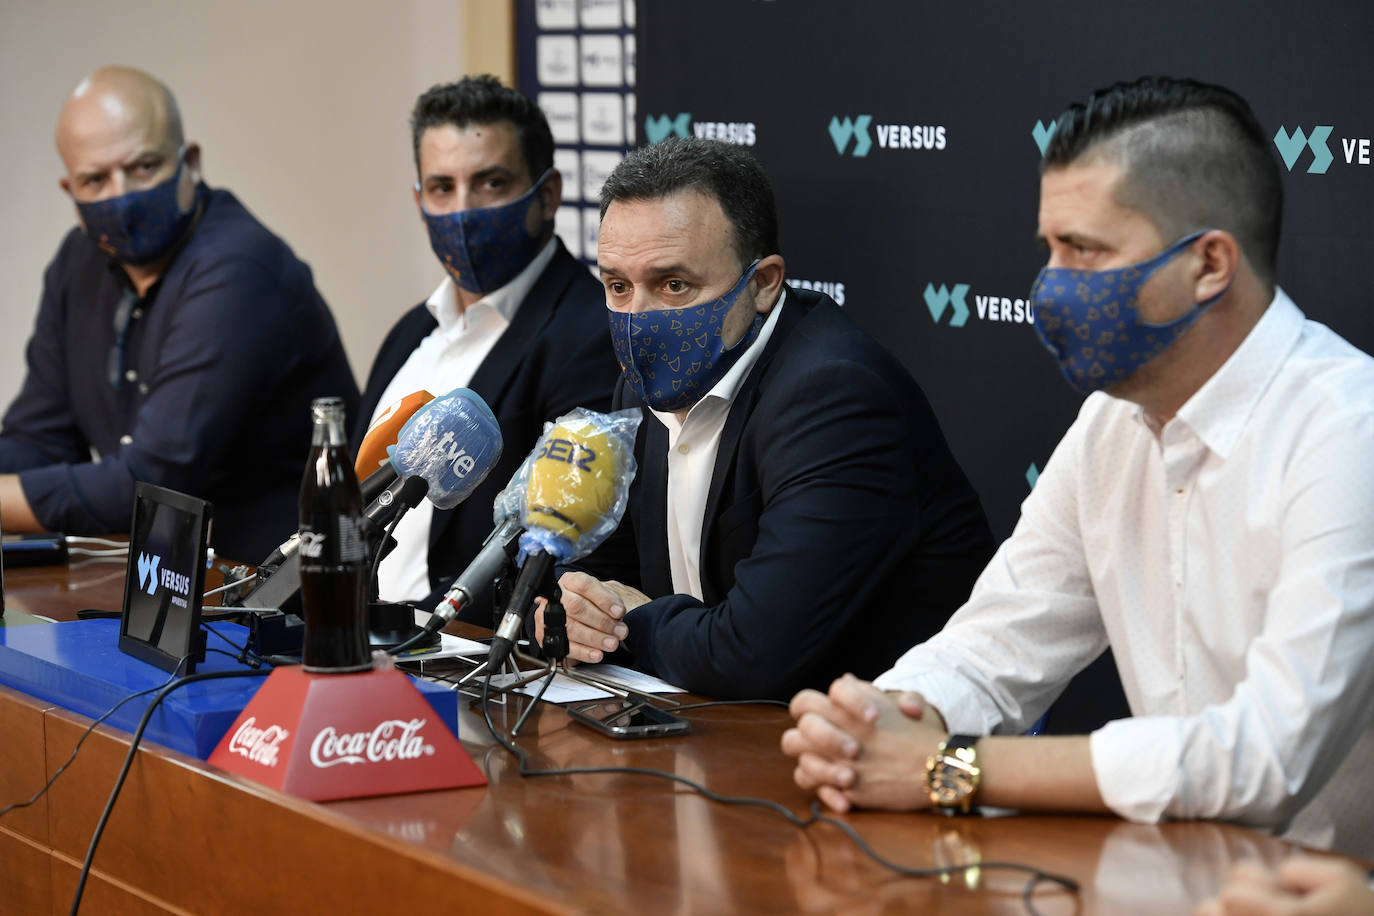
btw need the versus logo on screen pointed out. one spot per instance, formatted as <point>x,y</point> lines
<point>147,572</point>
<point>1353,150</point>
<point>661,127</point>
<point>151,575</point>
<point>954,299</point>
<point>862,131</point>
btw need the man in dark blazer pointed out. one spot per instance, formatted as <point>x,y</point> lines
<point>516,319</point>
<point>796,513</point>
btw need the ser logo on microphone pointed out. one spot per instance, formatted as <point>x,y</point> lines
<point>574,453</point>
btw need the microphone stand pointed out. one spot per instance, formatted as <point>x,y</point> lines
<point>554,648</point>
<point>390,623</point>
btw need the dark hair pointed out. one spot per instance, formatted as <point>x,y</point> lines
<point>1193,157</point>
<point>720,170</point>
<point>483,100</point>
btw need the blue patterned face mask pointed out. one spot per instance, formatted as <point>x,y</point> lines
<point>140,226</point>
<point>1088,319</point>
<point>672,357</point>
<point>485,247</point>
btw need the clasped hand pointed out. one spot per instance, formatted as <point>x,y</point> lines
<point>858,745</point>
<point>596,615</point>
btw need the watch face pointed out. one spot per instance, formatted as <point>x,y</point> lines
<point>950,784</point>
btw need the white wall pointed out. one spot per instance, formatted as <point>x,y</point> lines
<point>300,107</point>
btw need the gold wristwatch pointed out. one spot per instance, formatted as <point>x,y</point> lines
<point>953,774</point>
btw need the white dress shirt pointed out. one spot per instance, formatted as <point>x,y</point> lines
<point>1229,563</point>
<point>446,359</point>
<point>692,446</point>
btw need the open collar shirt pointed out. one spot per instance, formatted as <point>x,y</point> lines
<point>1229,564</point>
<point>446,359</point>
<point>692,446</point>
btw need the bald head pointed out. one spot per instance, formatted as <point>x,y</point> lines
<point>120,131</point>
<point>118,103</point>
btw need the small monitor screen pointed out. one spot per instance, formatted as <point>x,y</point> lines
<point>165,578</point>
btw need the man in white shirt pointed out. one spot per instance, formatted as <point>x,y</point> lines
<point>1210,517</point>
<point>516,318</point>
<point>795,497</point>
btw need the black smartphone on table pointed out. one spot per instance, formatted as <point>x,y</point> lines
<point>620,718</point>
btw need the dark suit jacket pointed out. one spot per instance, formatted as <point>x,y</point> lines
<point>556,355</point>
<point>233,344</point>
<point>839,531</point>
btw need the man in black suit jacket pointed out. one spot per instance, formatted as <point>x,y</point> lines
<point>797,513</point>
<point>517,318</point>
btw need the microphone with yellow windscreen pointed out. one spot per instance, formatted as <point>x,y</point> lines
<point>579,478</point>
<point>577,482</point>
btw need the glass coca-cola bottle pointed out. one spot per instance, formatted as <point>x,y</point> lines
<point>333,551</point>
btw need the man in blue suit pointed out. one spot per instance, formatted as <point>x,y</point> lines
<point>516,318</point>
<point>178,341</point>
<point>796,513</point>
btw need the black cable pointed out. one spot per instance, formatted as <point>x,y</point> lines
<point>242,650</point>
<point>381,548</point>
<point>241,659</point>
<point>1036,875</point>
<point>129,760</point>
<point>82,740</point>
<point>245,655</point>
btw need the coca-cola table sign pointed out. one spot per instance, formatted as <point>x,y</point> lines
<point>329,736</point>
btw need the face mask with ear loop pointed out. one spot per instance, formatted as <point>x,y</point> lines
<point>1089,320</point>
<point>672,357</point>
<point>141,226</point>
<point>484,248</point>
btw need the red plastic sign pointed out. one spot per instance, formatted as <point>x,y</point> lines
<point>328,736</point>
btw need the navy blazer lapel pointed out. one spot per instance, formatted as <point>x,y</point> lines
<point>415,327</point>
<point>651,525</point>
<point>504,359</point>
<point>740,410</point>
<point>498,368</point>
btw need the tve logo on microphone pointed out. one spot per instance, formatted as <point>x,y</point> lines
<point>463,463</point>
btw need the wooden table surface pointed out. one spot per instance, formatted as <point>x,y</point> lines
<point>186,837</point>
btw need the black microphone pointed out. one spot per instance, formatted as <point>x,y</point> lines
<point>531,581</point>
<point>379,492</point>
<point>373,484</point>
<point>577,486</point>
<point>398,498</point>
<point>497,550</point>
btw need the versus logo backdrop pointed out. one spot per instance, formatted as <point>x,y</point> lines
<point>904,140</point>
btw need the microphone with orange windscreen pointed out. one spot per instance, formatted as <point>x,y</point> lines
<point>373,465</point>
